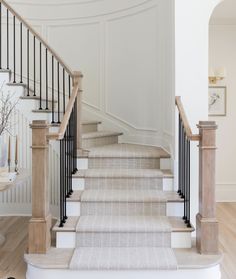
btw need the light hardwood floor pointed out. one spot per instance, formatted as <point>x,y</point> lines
<point>15,228</point>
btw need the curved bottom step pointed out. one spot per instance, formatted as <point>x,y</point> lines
<point>190,264</point>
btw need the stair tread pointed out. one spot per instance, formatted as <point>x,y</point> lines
<point>176,223</point>
<point>37,98</point>
<point>100,134</point>
<point>90,122</point>
<point>113,258</point>
<point>126,150</point>
<point>125,195</point>
<point>45,111</point>
<point>123,224</point>
<point>61,257</point>
<point>123,173</point>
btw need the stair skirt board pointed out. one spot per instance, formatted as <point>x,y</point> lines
<point>177,240</point>
<point>34,272</point>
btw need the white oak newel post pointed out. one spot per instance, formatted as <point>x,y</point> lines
<point>40,223</point>
<point>77,79</point>
<point>207,225</point>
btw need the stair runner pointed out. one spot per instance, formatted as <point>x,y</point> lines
<point>123,223</point>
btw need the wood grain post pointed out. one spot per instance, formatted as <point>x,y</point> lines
<point>207,225</point>
<point>78,79</point>
<point>40,223</point>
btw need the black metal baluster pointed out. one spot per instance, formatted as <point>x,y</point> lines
<point>75,137</point>
<point>65,178</point>
<point>61,184</point>
<point>34,70</point>
<point>7,39</point>
<point>64,92</point>
<point>189,177</point>
<point>53,120</point>
<point>0,35</point>
<point>58,90</point>
<point>46,66</point>
<point>40,76</point>
<point>21,78</point>
<point>14,49</point>
<point>182,161</point>
<point>69,85</point>
<point>28,65</point>
<point>179,144</point>
<point>185,176</point>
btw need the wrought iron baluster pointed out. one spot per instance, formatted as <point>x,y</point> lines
<point>53,120</point>
<point>7,39</point>
<point>14,49</point>
<point>28,64</point>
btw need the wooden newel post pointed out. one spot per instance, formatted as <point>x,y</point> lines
<point>78,80</point>
<point>207,225</point>
<point>40,223</point>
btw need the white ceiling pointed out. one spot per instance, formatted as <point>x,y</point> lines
<point>225,10</point>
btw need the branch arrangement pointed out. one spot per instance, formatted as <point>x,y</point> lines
<point>7,105</point>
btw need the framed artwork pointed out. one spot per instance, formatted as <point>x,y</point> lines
<point>217,101</point>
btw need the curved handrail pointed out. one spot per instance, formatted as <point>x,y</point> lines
<point>187,128</point>
<point>62,129</point>
<point>39,37</point>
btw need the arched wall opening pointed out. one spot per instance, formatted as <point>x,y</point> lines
<point>191,73</point>
<point>222,95</point>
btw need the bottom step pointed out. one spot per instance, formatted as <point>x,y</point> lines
<point>55,264</point>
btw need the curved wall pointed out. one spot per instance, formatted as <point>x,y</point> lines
<point>124,48</point>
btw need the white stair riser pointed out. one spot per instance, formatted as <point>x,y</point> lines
<point>205,273</point>
<point>181,240</point>
<point>175,209</point>
<point>168,184</point>
<point>82,163</point>
<point>94,142</point>
<point>172,209</point>
<point>178,240</point>
<point>73,208</point>
<point>89,128</point>
<point>165,164</point>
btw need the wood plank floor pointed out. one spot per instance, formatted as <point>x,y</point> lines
<point>15,228</point>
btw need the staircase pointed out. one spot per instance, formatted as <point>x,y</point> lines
<point>120,214</point>
<point>119,206</point>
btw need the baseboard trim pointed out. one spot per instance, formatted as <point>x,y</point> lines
<point>226,192</point>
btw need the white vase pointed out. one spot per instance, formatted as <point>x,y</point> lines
<point>3,152</point>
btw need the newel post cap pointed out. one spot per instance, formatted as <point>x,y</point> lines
<point>207,125</point>
<point>39,124</point>
<point>77,74</point>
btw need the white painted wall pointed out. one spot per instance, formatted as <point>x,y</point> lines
<point>222,52</point>
<point>124,48</point>
<point>191,71</point>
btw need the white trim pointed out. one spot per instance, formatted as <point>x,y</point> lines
<point>205,273</point>
<point>226,192</point>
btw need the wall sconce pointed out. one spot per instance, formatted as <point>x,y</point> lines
<point>217,75</point>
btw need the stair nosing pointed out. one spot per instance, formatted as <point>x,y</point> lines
<point>102,134</point>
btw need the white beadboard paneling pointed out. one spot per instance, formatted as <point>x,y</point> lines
<point>17,200</point>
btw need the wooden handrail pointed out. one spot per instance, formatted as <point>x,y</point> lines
<point>66,117</point>
<point>187,128</point>
<point>39,37</point>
